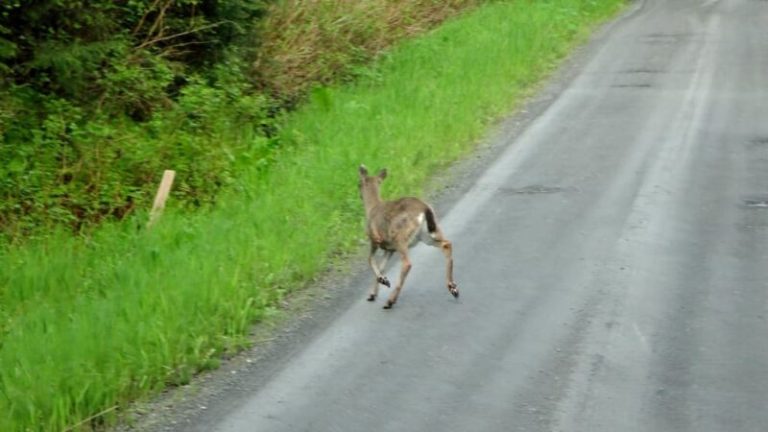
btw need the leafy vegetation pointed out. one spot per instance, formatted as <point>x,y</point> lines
<point>98,97</point>
<point>90,323</point>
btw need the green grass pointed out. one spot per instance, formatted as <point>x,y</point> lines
<point>89,325</point>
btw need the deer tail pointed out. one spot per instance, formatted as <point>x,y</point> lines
<point>431,224</point>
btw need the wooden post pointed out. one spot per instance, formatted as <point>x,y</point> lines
<point>161,196</point>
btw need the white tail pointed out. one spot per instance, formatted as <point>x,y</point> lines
<point>395,226</point>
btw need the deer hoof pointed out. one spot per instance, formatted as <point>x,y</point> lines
<point>384,281</point>
<point>453,289</point>
<point>389,304</point>
<point>371,297</point>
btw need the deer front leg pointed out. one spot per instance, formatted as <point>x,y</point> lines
<point>382,266</point>
<point>376,237</point>
<point>380,278</point>
<point>405,267</point>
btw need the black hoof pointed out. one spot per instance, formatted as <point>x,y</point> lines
<point>371,297</point>
<point>389,304</point>
<point>453,289</point>
<point>384,281</point>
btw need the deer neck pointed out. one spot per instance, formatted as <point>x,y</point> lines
<point>371,199</point>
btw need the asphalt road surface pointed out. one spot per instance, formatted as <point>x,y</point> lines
<point>612,261</point>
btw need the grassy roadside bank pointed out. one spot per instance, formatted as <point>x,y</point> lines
<point>87,325</point>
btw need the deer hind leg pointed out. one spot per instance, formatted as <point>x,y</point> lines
<point>405,267</point>
<point>447,249</point>
<point>439,240</point>
<point>376,281</point>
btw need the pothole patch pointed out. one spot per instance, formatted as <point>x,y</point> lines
<point>535,190</point>
<point>638,85</point>
<point>756,203</point>
<point>636,71</point>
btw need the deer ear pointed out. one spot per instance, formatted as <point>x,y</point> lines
<point>363,170</point>
<point>383,174</point>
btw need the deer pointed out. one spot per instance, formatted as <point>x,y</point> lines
<point>396,226</point>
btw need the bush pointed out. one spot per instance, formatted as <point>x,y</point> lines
<point>98,97</point>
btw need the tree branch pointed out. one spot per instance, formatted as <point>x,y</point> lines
<point>144,17</point>
<point>174,36</point>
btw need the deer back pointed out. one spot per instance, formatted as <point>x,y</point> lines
<point>399,222</point>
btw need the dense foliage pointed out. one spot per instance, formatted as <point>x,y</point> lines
<point>98,97</point>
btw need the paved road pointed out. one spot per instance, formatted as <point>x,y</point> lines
<point>613,262</point>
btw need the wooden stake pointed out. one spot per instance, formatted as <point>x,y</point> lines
<point>161,196</point>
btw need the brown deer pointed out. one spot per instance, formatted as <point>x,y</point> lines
<point>396,226</point>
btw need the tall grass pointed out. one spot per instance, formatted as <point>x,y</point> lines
<point>304,42</point>
<point>87,325</point>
